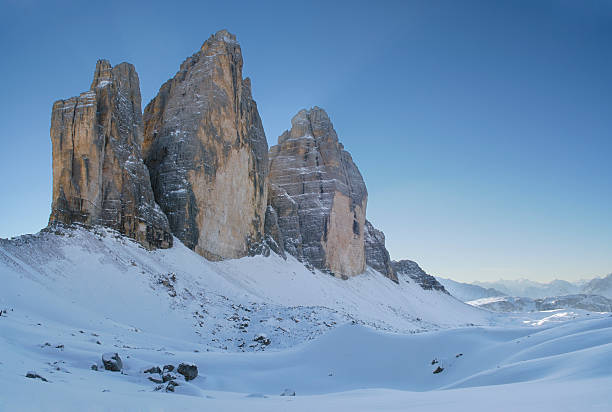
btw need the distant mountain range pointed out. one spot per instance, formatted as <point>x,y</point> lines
<point>595,303</point>
<point>536,290</point>
<point>467,291</point>
<point>530,289</point>
<point>526,295</point>
<point>599,286</point>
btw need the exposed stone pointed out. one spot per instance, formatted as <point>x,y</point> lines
<point>376,254</point>
<point>99,177</point>
<point>155,380</point>
<point>188,371</point>
<point>418,275</point>
<point>207,152</point>
<point>167,377</point>
<point>263,339</point>
<point>112,362</point>
<point>171,385</point>
<point>287,219</point>
<point>319,195</point>
<point>34,375</point>
<point>153,369</point>
<point>274,237</point>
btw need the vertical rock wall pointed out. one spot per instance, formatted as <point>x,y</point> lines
<point>207,153</point>
<point>319,195</point>
<point>99,177</point>
<point>377,256</point>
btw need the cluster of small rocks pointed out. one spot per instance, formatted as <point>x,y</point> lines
<point>165,378</point>
<point>262,338</point>
<point>168,281</point>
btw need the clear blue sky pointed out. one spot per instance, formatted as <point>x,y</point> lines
<point>483,129</point>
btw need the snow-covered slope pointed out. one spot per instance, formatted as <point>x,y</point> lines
<point>222,304</point>
<point>68,297</point>
<point>467,291</point>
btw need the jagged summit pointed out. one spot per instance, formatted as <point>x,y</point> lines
<point>313,123</point>
<point>208,168</point>
<point>102,74</point>
<point>207,153</point>
<point>319,195</point>
<point>222,35</point>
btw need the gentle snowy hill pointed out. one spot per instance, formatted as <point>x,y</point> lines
<point>72,295</point>
<point>467,291</point>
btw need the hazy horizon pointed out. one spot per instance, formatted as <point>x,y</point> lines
<point>482,130</point>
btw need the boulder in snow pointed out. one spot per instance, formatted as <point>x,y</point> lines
<point>112,361</point>
<point>188,371</point>
<point>34,375</point>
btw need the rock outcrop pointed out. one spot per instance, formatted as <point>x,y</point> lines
<point>376,254</point>
<point>274,236</point>
<point>418,275</point>
<point>319,196</point>
<point>99,177</point>
<point>207,152</point>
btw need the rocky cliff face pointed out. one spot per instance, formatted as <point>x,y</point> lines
<point>319,195</point>
<point>207,152</point>
<point>99,177</point>
<point>414,272</point>
<point>376,254</point>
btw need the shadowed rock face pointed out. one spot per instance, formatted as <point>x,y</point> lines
<point>414,272</point>
<point>207,152</point>
<point>376,254</point>
<point>319,195</point>
<point>99,177</point>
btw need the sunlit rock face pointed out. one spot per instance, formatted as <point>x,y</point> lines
<point>319,195</point>
<point>376,254</point>
<point>99,177</point>
<point>207,152</point>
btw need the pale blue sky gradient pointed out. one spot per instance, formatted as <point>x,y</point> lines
<point>483,129</point>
